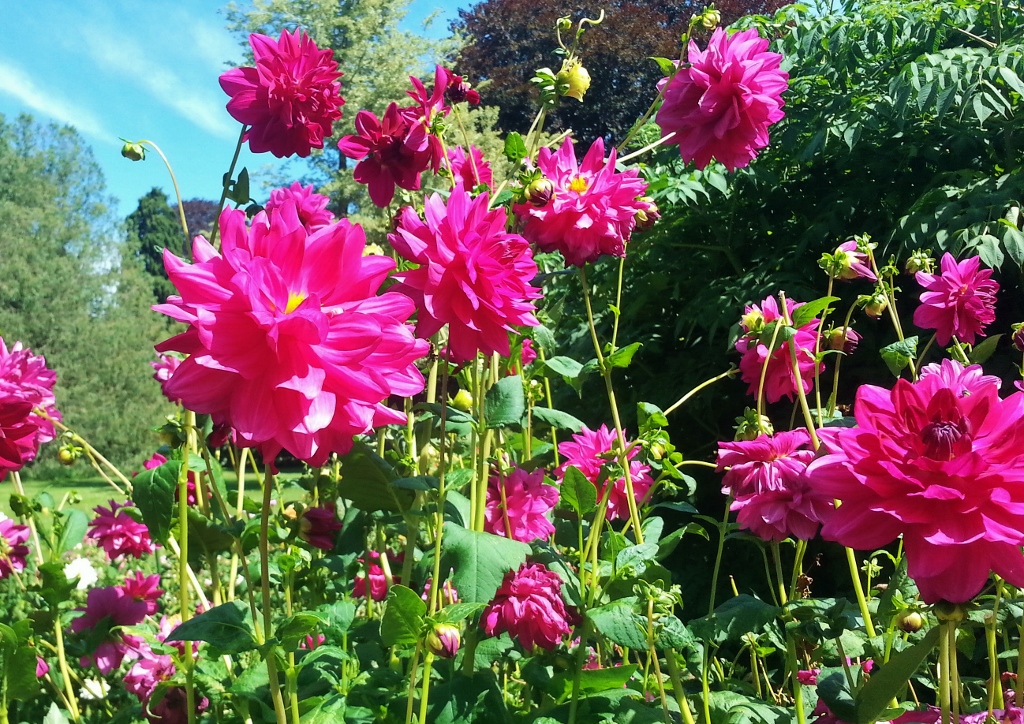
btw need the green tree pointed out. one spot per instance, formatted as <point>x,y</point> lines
<point>152,227</point>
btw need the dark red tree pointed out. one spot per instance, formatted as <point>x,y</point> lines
<point>199,215</point>
<point>511,39</point>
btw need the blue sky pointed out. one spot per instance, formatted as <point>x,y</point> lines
<point>139,69</point>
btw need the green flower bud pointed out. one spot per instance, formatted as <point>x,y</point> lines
<point>463,400</point>
<point>573,80</point>
<point>133,151</point>
<point>444,640</point>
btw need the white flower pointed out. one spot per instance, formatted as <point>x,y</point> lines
<point>83,570</point>
<point>94,689</point>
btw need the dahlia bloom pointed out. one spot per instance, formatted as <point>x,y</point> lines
<point>471,170</point>
<point>163,368</point>
<point>13,551</point>
<point>721,104</point>
<point>940,461</point>
<point>929,715</point>
<point>855,264</point>
<point>143,589</point>
<point>392,151</point>
<point>473,275</point>
<point>529,606</point>
<point>959,302</point>
<point>25,378</point>
<point>19,433</point>
<point>458,89</point>
<point>779,381</point>
<point>593,208</point>
<point>528,500</point>
<point>292,97</point>
<point>311,206</point>
<point>147,673</point>
<point>378,587</point>
<point>83,570</point>
<point>288,341</point>
<point>770,492</point>
<point>429,107</point>
<point>106,609</point>
<point>319,527</point>
<point>1010,715</point>
<point>588,451</point>
<point>118,533</point>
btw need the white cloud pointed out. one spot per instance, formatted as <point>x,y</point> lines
<point>15,82</point>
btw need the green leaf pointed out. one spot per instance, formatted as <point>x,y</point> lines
<point>648,415</point>
<point>328,711</point>
<point>366,481</point>
<point>459,611</point>
<point>734,619</point>
<point>557,418</point>
<point>505,402</point>
<point>622,357</point>
<point>55,716</point>
<point>227,627</point>
<point>899,354</point>
<point>577,493</point>
<point>1013,242</point>
<point>620,623</point>
<point>672,634</point>
<point>980,354</point>
<point>637,556</point>
<point>1011,79</point>
<point>480,560</point>
<point>153,495</point>
<point>403,617</point>
<point>667,67</point>
<point>887,682</point>
<point>805,313</point>
<point>565,366</point>
<point>515,147</point>
<point>613,677</point>
<point>295,628</point>
<point>75,525</point>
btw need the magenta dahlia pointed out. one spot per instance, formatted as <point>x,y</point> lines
<point>13,551</point>
<point>779,381</point>
<point>473,275</point>
<point>721,105</point>
<point>588,451</point>
<point>940,462</point>
<point>118,533</point>
<point>855,263</point>
<point>428,110</point>
<point>19,432</point>
<point>378,582</point>
<point>163,367</point>
<point>529,606</point>
<point>24,377</point>
<point>105,610</point>
<point>391,151</point>
<point>593,208</point>
<point>290,99</point>
<point>319,527</point>
<point>144,589</point>
<point>471,170</point>
<point>959,302</point>
<point>288,340</point>
<point>312,207</point>
<point>528,501</point>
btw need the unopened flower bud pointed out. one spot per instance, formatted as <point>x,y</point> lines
<point>843,339</point>
<point>909,621</point>
<point>68,454</point>
<point>920,260</point>
<point>876,306</point>
<point>753,321</point>
<point>444,640</point>
<point>657,451</point>
<point>1018,337</point>
<point>463,400</point>
<point>573,81</point>
<point>539,192</point>
<point>428,459</point>
<point>710,19</point>
<point>646,217</point>
<point>133,151</point>
<point>564,24</point>
<point>750,425</point>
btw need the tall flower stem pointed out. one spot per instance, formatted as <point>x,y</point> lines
<point>606,373</point>
<point>817,351</point>
<point>580,659</point>
<point>718,555</point>
<point>225,186</point>
<point>428,661</point>
<point>944,671</point>
<point>65,672</point>
<point>677,686</point>
<point>239,511</point>
<point>27,519</point>
<point>268,624</point>
<point>183,568</point>
<point>798,691</point>
<point>777,556</point>
<point>177,192</point>
<point>731,372</point>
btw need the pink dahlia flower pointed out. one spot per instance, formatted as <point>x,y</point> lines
<point>105,609</point>
<point>292,97</point>
<point>13,551</point>
<point>929,715</point>
<point>529,606</point>
<point>42,668</point>
<point>528,501</point>
<point>856,264</point>
<point>319,527</point>
<point>769,489</point>
<point>19,433</point>
<point>163,368</point>
<point>24,377</point>
<point>428,110</point>
<point>288,341</point>
<point>471,170</point>
<point>941,462</point>
<point>588,451</point>
<point>147,673</point>
<point>593,208</point>
<point>143,589</point>
<point>779,381</point>
<point>458,90</point>
<point>378,587</point>
<point>473,275</point>
<point>312,207</point>
<point>118,533</point>
<point>449,594</point>
<point>951,374</point>
<point>1010,715</point>
<point>959,302</point>
<point>720,106</point>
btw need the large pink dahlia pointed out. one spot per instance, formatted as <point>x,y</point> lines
<point>292,97</point>
<point>527,502</point>
<point>288,341</point>
<point>721,104</point>
<point>959,302</point>
<point>593,209</point>
<point>24,377</point>
<point>529,606</point>
<point>941,462</point>
<point>118,533</point>
<point>18,434</point>
<point>590,450</point>
<point>779,381</point>
<point>473,275</point>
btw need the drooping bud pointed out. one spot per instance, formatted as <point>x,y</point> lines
<point>920,260</point>
<point>843,339</point>
<point>710,18</point>
<point>573,80</point>
<point>463,400</point>
<point>133,151</point>
<point>645,217</point>
<point>876,305</point>
<point>444,640</point>
<point>539,192</point>
<point>458,90</point>
<point>1018,337</point>
<point>564,23</point>
<point>909,621</point>
<point>750,426</point>
<point>69,453</point>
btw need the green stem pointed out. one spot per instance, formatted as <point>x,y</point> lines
<point>177,193</point>
<point>428,661</point>
<point>226,185</point>
<point>442,494</point>
<point>677,686</point>
<point>858,590</point>
<point>718,555</point>
<point>268,625</point>
<point>581,655</point>
<point>731,372</point>
<point>65,672</point>
<point>183,569</point>
<point>781,581</point>
<point>798,691</point>
<point>801,549</point>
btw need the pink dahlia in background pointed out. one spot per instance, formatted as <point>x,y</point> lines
<point>19,432</point>
<point>472,275</point>
<point>457,89</point>
<point>940,462</point>
<point>13,551</point>
<point>959,302</point>
<point>290,99</point>
<point>24,377</point>
<point>319,527</point>
<point>311,206</point>
<point>527,502</point>
<point>1010,715</point>
<point>143,589</point>
<point>105,610</point>
<point>952,375</point>
<point>471,170</point>
<point>929,715</point>
<point>588,451</point>
<point>118,533</point>
<point>163,367</point>
<point>529,606</point>
<point>378,588</point>
<point>779,381</point>
<point>721,104</point>
<point>593,208</point>
<point>428,110</point>
<point>289,342</point>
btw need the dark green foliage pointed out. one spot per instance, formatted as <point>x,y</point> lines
<point>152,227</point>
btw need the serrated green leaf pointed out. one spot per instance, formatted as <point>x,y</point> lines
<point>515,147</point>
<point>577,493</point>
<point>666,66</point>
<point>153,495</point>
<point>980,354</point>
<point>480,561</point>
<point>887,682</point>
<point>403,617</point>
<point>557,418</point>
<point>505,402</point>
<point>803,314</point>
<point>623,356</point>
<point>899,354</point>
<point>227,627</point>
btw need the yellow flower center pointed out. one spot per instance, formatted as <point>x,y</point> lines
<point>578,184</point>
<point>294,300</point>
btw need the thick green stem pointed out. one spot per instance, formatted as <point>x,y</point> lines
<point>428,661</point>
<point>183,569</point>
<point>718,555</point>
<point>944,671</point>
<point>65,672</point>
<point>677,686</point>
<point>268,626</point>
<point>581,656</point>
